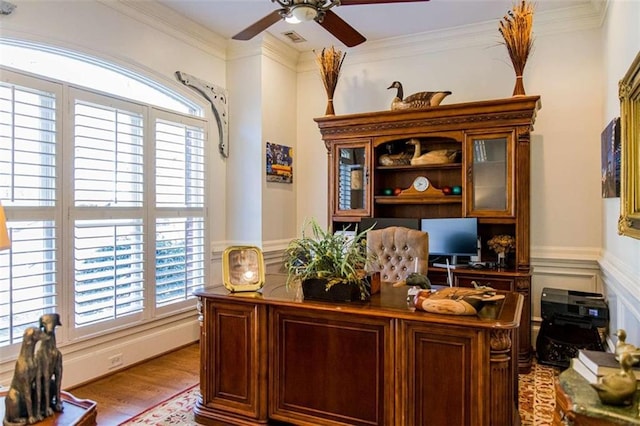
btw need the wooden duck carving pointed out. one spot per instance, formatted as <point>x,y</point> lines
<point>438,156</point>
<point>618,388</point>
<point>417,100</point>
<point>456,300</point>
<point>622,346</point>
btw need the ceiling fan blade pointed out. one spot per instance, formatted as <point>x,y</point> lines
<point>354,2</point>
<point>341,30</point>
<point>258,26</point>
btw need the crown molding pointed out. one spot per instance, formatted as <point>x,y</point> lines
<point>171,22</point>
<point>264,45</point>
<point>483,35</point>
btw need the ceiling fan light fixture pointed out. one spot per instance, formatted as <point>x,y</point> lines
<point>301,13</point>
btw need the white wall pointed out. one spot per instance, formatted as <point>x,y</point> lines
<point>279,111</point>
<point>620,255</point>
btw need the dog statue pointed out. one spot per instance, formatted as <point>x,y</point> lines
<point>49,365</point>
<point>19,407</point>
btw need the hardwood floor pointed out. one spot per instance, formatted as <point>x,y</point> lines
<point>128,392</point>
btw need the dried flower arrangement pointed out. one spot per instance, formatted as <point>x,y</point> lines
<point>330,62</point>
<point>516,29</point>
<point>502,244</point>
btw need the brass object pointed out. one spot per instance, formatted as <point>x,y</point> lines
<point>618,388</point>
<point>35,387</point>
<point>243,268</point>
<point>623,347</point>
<point>49,362</point>
<point>629,92</point>
<point>19,401</point>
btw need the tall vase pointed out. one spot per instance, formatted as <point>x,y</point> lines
<point>330,110</point>
<point>518,90</point>
<point>502,261</point>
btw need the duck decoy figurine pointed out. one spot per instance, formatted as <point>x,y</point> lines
<point>456,300</point>
<point>618,388</point>
<point>417,100</point>
<point>622,346</point>
<point>438,156</point>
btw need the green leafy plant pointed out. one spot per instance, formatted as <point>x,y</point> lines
<point>332,256</point>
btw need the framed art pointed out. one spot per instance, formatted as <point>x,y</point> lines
<point>629,92</point>
<point>279,163</point>
<point>243,268</point>
<point>610,142</point>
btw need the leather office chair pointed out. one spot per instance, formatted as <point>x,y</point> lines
<point>399,252</point>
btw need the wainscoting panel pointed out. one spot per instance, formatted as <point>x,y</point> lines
<point>622,290</point>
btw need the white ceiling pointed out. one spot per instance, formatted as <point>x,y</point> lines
<point>375,22</point>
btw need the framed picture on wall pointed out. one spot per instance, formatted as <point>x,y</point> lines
<point>610,139</point>
<point>279,163</point>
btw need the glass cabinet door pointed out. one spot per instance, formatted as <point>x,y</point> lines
<point>489,166</point>
<point>351,192</point>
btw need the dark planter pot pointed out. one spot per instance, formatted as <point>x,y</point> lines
<point>315,289</point>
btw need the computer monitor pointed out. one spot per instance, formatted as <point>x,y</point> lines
<point>450,238</point>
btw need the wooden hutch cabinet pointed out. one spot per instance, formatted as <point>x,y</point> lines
<point>492,168</point>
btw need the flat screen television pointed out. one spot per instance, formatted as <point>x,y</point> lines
<point>451,238</point>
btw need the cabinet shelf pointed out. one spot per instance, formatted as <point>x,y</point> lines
<point>390,199</point>
<point>420,167</point>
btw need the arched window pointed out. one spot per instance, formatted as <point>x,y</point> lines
<point>103,180</point>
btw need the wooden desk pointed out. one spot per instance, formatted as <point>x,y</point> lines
<point>270,355</point>
<point>77,412</point>
<point>578,404</point>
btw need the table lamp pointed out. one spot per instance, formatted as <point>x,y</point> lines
<point>5,242</point>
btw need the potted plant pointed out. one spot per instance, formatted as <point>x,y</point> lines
<point>330,266</point>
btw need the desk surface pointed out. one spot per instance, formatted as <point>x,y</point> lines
<point>389,302</point>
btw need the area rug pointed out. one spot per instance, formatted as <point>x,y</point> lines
<point>177,410</point>
<point>536,402</point>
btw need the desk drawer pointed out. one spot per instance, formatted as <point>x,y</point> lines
<point>499,283</point>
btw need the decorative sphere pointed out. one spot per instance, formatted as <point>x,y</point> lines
<point>446,190</point>
<point>387,191</point>
<point>456,190</point>
<point>397,191</point>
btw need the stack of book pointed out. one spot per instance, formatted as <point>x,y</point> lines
<point>593,365</point>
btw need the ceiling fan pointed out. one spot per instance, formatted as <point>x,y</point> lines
<point>296,11</point>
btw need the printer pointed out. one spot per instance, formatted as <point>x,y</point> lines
<point>574,307</point>
<point>571,320</point>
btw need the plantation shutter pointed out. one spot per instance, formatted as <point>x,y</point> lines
<point>180,243</point>
<point>109,227</point>
<point>28,127</point>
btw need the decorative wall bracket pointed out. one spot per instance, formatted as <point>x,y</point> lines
<point>6,8</point>
<point>217,97</point>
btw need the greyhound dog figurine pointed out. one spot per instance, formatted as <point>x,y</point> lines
<point>49,364</point>
<point>19,407</point>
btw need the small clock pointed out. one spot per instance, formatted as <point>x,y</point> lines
<point>421,183</point>
<point>243,268</point>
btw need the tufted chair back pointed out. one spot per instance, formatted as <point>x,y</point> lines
<point>397,249</point>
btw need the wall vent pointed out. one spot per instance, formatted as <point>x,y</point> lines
<point>294,36</point>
